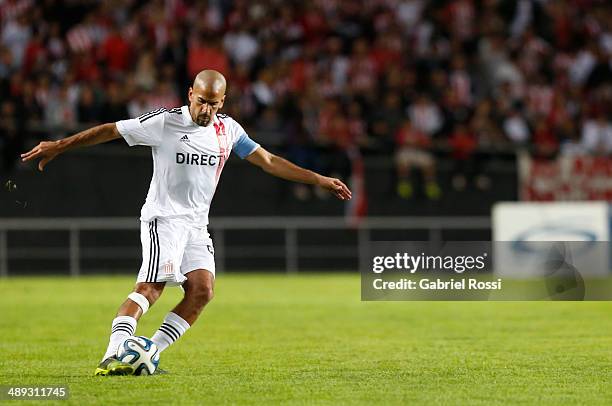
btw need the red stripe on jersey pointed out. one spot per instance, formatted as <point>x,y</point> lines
<point>223,150</point>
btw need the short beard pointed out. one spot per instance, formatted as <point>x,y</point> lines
<point>203,121</point>
<point>198,121</point>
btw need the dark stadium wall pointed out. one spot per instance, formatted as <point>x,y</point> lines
<point>92,183</point>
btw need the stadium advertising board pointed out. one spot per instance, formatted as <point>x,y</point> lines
<point>582,226</point>
<point>565,178</point>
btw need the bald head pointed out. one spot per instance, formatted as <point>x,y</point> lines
<point>210,81</point>
<point>206,96</point>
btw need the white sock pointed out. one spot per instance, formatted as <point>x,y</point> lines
<point>123,327</point>
<point>170,330</point>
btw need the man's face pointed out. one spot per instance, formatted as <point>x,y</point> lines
<point>204,104</point>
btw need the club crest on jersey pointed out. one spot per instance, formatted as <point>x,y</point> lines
<point>185,138</point>
<point>220,129</point>
<point>168,268</point>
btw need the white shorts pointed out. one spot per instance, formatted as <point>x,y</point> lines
<point>173,248</point>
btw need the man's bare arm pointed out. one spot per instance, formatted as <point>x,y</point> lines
<point>47,150</point>
<point>284,169</point>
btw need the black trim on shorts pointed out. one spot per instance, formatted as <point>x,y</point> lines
<point>153,252</point>
<point>151,244</point>
<point>157,245</point>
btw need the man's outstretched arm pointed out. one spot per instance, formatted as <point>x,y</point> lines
<point>47,150</point>
<point>282,168</point>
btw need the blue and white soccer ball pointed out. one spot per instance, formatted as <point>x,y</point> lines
<point>141,353</point>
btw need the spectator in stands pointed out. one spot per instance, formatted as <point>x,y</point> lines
<point>485,127</point>
<point>116,53</point>
<point>139,104</point>
<point>263,90</point>
<point>413,151</point>
<point>463,146</point>
<point>61,110</point>
<point>425,115</point>
<point>269,128</point>
<point>11,134</point>
<point>597,134</point>
<point>163,95</point>
<point>362,70</point>
<point>114,108</point>
<point>241,46</point>
<point>357,124</point>
<point>386,119</point>
<point>545,141</point>
<point>516,128</point>
<point>89,110</point>
<point>6,64</point>
<point>145,75</point>
<point>30,105</point>
<point>571,144</point>
<point>206,52</point>
<point>175,54</point>
<point>16,33</point>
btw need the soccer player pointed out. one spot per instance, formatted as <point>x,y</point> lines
<point>190,146</point>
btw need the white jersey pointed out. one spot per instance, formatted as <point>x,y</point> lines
<point>187,160</point>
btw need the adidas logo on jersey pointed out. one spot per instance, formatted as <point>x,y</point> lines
<point>185,138</point>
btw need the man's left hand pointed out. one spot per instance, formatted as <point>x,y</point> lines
<point>335,186</point>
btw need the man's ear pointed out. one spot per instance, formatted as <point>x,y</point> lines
<point>190,94</point>
<point>222,102</point>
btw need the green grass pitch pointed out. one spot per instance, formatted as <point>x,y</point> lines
<point>269,339</point>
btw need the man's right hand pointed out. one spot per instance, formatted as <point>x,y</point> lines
<point>46,151</point>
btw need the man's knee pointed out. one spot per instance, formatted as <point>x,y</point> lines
<point>199,287</point>
<point>150,290</point>
<point>200,296</point>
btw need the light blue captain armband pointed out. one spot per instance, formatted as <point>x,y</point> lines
<point>244,146</point>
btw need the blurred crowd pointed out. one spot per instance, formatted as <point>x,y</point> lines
<point>412,79</point>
